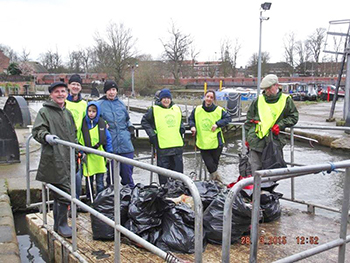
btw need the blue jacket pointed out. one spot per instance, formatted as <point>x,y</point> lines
<point>92,123</point>
<point>117,117</point>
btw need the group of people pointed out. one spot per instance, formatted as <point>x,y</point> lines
<point>105,125</point>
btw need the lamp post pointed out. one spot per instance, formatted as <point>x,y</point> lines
<point>132,77</point>
<point>265,6</point>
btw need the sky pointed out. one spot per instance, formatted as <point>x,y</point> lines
<point>68,25</point>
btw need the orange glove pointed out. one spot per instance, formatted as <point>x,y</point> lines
<point>276,129</point>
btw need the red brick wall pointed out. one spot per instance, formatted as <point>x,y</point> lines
<point>4,62</point>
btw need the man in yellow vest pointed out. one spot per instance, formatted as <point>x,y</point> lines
<point>272,111</point>
<point>77,106</point>
<point>163,124</point>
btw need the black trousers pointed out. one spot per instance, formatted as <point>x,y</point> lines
<point>172,162</point>
<point>211,158</point>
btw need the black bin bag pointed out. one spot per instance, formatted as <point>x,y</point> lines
<point>208,190</point>
<point>214,214</point>
<point>270,206</point>
<point>104,203</point>
<point>272,155</point>
<point>175,188</point>
<point>145,212</point>
<point>178,230</point>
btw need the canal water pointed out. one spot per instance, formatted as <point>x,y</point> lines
<point>29,248</point>
<point>321,188</point>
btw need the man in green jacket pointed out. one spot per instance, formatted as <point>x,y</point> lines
<point>52,122</point>
<point>272,111</point>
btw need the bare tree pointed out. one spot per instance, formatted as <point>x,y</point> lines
<point>51,61</point>
<point>302,56</point>
<point>290,49</point>
<point>175,51</point>
<point>25,55</point>
<point>228,57</point>
<point>75,63</point>
<point>113,54</point>
<point>253,63</point>
<point>86,57</point>
<point>315,42</point>
<point>9,52</point>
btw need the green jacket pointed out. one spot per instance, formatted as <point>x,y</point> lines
<point>54,166</point>
<point>289,117</point>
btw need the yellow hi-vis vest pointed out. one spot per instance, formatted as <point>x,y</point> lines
<point>168,123</point>
<point>207,139</point>
<point>78,110</point>
<point>268,114</point>
<point>96,164</point>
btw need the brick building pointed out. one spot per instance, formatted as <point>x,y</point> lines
<point>4,62</point>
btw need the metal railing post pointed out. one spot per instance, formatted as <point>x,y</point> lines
<point>28,169</point>
<point>116,211</point>
<point>255,219</point>
<point>292,162</point>
<point>43,196</point>
<point>73,195</point>
<point>344,216</point>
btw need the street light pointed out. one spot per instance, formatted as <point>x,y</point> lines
<point>132,77</point>
<point>265,6</point>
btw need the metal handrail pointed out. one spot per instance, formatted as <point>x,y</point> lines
<point>275,175</point>
<point>198,207</point>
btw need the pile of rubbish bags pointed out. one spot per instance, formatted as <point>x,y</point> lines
<point>164,216</point>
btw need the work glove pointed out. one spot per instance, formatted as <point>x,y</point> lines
<point>132,132</point>
<point>246,144</point>
<point>50,139</point>
<point>153,139</point>
<point>276,129</point>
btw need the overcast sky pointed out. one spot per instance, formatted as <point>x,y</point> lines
<point>41,25</point>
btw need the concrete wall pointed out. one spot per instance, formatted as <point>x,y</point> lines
<point>9,250</point>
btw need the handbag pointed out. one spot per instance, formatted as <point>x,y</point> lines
<point>272,155</point>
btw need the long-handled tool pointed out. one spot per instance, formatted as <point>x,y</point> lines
<point>152,162</point>
<point>89,182</point>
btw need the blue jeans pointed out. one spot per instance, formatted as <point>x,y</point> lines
<point>125,171</point>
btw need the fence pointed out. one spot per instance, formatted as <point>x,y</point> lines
<point>259,176</point>
<point>198,208</point>
<point>281,174</point>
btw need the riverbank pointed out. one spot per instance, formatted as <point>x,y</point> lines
<point>9,250</point>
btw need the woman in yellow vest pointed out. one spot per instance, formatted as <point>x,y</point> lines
<point>163,124</point>
<point>206,122</point>
<point>271,111</point>
<point>94,134</point>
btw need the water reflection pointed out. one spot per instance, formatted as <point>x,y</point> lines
<point>29,248</point>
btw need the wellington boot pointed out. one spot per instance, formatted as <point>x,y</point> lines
<point>62,220</point>
<point>54,210</point>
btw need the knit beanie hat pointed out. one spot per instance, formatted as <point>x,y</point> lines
<point>109,84</point>
<point>75,78</point>
<point>164,93</point>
